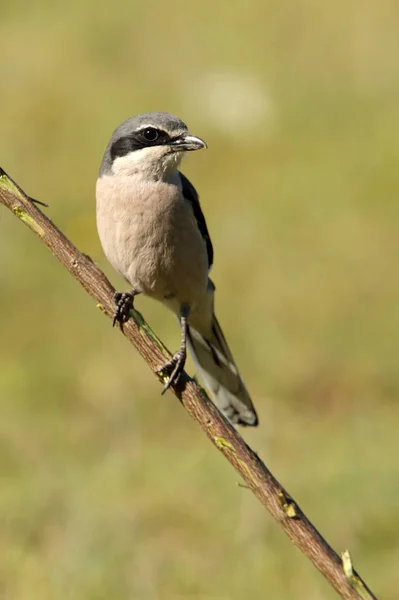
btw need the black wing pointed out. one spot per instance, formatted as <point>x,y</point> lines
<point>190,194</point>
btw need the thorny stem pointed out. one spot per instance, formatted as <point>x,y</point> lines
<point>258,478</point>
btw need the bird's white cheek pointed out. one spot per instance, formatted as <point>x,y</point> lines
<point>134,162</point>
<point>153,163</point>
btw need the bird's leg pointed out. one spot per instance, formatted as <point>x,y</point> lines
<point>175,365</point>
<point>123,306</point>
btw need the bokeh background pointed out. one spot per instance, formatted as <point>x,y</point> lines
<point>109,490</point>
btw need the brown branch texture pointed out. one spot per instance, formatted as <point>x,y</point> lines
<point>338,571</point>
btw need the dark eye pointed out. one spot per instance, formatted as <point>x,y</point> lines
<point>150,134</point>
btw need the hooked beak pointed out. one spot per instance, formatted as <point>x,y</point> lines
<point>187,142</point>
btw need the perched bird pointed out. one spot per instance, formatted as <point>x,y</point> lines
<point>154,234</point>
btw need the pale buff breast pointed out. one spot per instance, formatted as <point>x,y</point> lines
<point>150,235</point>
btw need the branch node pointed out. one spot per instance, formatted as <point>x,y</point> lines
<point>28,220</point>
<point>223,444</point>
<point>288,505</point>
<point>355,580</point>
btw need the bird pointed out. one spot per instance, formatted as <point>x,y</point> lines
<point>153,233</point>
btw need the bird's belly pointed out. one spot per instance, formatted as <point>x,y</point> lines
<point>170,262</point>
<point>155,245</point>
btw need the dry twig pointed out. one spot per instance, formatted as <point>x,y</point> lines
<point>267,489</point>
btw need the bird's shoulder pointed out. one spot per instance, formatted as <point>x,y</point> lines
<point>190,194</point>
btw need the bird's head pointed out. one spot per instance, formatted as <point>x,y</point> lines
<point>151,145</point>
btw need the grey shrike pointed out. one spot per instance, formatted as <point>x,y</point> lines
<point>154,234</point>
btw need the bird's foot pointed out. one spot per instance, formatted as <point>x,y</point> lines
<point>123,306</point>
<point>174,367</point>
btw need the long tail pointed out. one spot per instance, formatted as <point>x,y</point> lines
<point>217,368</point>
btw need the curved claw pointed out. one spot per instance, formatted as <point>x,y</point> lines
<point>176,365</point>
<point>124,304</point>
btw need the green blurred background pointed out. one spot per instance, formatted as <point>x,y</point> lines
<point>109,490</point>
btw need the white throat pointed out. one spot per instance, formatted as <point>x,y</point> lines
<point>154,163</point>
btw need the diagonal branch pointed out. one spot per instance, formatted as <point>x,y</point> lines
<point>267,489</point>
